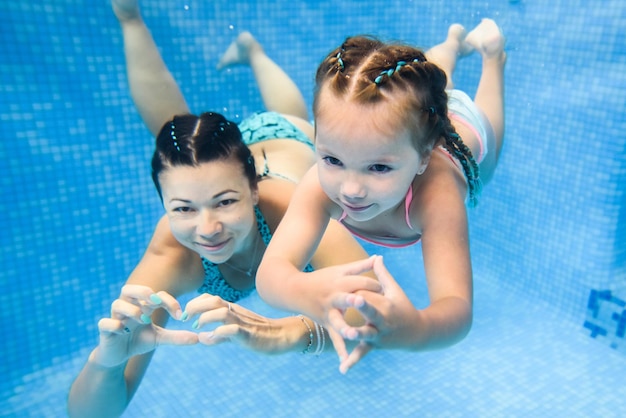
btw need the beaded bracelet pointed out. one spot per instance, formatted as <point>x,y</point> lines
<point>321,341</point>
<point>308,347</point>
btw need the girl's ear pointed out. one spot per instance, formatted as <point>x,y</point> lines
<point>423,164</point>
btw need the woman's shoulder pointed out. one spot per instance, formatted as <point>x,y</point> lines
<point>274,197</point>
<point>168,265</point>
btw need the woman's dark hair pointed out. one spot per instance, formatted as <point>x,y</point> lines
<point>190,140</point>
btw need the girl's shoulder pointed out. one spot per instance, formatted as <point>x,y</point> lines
<point>439,190</point>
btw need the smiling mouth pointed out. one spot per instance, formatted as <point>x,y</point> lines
<point>356,208</point>
<point>213,247</point>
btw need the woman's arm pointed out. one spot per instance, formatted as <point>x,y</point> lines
<point>115,368</point>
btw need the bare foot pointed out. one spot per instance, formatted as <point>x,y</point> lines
<point>487,39</point>
<point>239,51</point>
<point>456,39</point>
<point>126,9</point>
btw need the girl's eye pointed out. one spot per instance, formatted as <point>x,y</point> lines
<point>380,168</point>
<point>332,161</point>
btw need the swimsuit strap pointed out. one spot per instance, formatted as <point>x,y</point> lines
<point>407,205</point>
<point>267,173</point>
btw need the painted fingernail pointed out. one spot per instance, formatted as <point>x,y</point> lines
<point>145,319</point>
<point>156,299</point>
<point>184,316</point>
<point>195,325</point>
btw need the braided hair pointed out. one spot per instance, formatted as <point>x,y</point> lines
<point>368,71</point>
<point>190,140</point>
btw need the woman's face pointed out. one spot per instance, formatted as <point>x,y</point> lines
<point>364,167</point>
<point>210,207</point>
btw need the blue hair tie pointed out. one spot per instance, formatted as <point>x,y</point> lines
<point>389,72</point>
<point>340,61</point>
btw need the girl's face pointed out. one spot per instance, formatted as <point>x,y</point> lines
<point>210,207</point>
<point>364,167</point>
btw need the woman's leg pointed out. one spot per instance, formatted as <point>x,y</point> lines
<point>152,87</point>
<point>487,39</point>
<point>279,93</point>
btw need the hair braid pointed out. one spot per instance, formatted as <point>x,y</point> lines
<point>463,154</point>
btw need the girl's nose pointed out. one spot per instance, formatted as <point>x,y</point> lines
<point>352,188</point>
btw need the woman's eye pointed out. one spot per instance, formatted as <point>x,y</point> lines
<point>182,209</point>
<point>332,161</point>
<point>226,202</point>
<point>380,168</point>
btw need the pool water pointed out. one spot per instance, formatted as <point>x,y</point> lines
<point>79,209</point>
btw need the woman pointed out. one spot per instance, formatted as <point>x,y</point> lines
<point>222,213</point>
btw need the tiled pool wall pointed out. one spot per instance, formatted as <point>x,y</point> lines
<point>79,206</point>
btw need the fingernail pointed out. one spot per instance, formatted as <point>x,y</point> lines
<point>184,316</point>
<point>155,299</point>
<point>179,314</point>
<point>145,319</point>
<point>195,324</point>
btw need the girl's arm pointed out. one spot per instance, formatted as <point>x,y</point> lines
<point>307,233</point>
<point>109,379</point>
<point>445,248</point>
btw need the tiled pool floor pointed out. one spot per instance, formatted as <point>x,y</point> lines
<point>521,359</point>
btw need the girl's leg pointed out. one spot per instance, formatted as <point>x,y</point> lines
<point>152,87</point>
<point>487,39</point>
<point>446,54</point>
<point>279,93</point>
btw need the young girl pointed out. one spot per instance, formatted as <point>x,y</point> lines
<point>399,155</point>
<point>224,188</point>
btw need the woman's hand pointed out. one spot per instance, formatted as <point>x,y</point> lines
<point>244,327</point>
<point>130,331</point>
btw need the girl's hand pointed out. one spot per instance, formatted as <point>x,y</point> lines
<point>327,291</point>
<point>130,331</point>
<point>244,327</point>
<point>388,316</point>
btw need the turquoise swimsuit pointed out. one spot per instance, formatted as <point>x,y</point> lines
<point>262,126</point>
<point>259,127</point>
